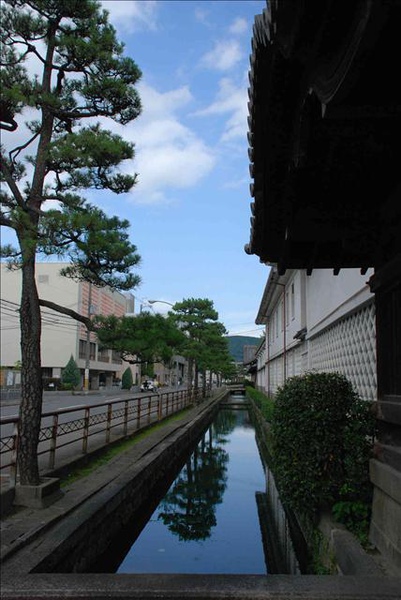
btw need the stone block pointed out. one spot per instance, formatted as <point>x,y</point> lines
<point>385,529</point>
<point>38,496</point>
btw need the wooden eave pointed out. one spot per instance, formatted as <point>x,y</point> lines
<point>324,131</point>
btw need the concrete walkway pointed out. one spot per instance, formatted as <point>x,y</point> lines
<point>30,535</point>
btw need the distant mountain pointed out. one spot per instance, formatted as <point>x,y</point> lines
<point>236,345</point>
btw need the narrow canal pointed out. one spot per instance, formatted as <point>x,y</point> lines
<point>209,520</point>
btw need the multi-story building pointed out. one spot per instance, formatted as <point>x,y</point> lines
<point>318,322</point>
<point>62,336</point>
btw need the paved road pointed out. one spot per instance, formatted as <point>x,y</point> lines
<point>54,400</point>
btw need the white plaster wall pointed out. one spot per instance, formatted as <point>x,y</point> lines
<point>296,315</point>
<point>330,297</point>
<point>338,313</point>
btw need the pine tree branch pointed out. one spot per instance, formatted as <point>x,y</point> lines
<point>67,311</point>
<point>12,184</point>
<point>5,221</point>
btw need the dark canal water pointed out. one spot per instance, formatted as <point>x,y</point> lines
<point>209,521</point>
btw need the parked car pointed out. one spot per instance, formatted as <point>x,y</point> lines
<point>147,386</point>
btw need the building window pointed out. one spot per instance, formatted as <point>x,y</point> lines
<point>115,357</point>
<point>82,348</point>
<point>103,355</point>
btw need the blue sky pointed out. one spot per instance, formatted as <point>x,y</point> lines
<point>190,211</point>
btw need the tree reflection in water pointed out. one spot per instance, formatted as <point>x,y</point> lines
<point>189,508</point>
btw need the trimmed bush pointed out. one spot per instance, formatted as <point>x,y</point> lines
<point>71,376</point>
<point>322,440</point>
<point>263,402</point>
<point>127,380</point>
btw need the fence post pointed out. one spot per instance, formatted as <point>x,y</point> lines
<point>86,431</point>
<point>126,404</point>
<point>159,408</point>
<point>53,443</point>
<point>138,414</point>
<point>149,408</point>
<point>14,456</point>
<point>108,426</point>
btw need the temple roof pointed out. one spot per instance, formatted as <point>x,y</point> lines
<point>325,134</point>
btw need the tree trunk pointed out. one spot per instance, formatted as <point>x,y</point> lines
<point>204,384</point>
<point>31,378</point>
<point>196,379</point>
<point>190,375</point>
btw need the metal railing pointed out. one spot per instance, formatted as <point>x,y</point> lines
<point>77,430</point>
<point>10,394</point>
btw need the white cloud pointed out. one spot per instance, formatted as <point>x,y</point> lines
<point>133,15</point>
<point>159,104</point>
<point>239,26</point>
<point>230,100</point>
<point>201,16</point>
<point>171,166</point>
<point>169,155</point>
<point>224,56</point>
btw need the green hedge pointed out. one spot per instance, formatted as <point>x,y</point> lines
<point>263,402</point>
<point>322,439</point>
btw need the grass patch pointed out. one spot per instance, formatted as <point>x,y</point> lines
<point>263,402</point>
<point>116,449</point>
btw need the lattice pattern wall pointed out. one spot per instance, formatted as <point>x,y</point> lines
<point>276,368</point>
<point>349,347</point>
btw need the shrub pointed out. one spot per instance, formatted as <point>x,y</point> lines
<point>71,375</point>
<point>263,402</point>
<point>322,438</point>
<point>127,380</point>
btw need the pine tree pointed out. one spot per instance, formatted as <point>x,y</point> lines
<point>84,75</point>
<point>71,375</point>
<point>194,316</point>
<point>144,339</point>
<point>127,380</point>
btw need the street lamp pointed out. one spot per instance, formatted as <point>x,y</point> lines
<point>176,361</point>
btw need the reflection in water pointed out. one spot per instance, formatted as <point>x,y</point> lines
<point>276,531</point>
<point>208,520</point>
